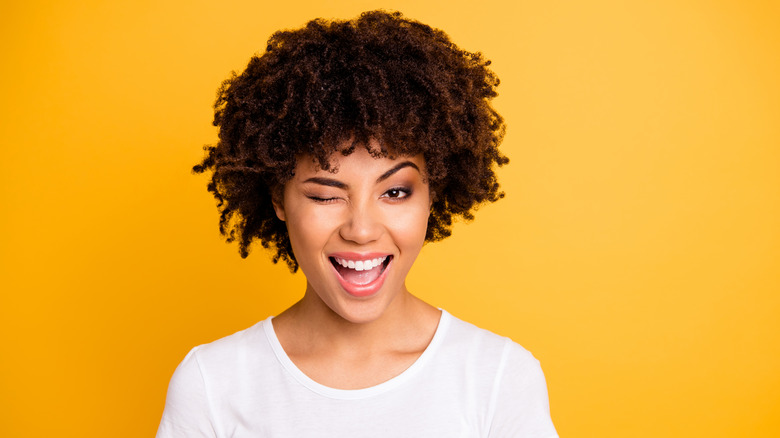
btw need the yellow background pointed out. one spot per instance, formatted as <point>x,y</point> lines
<point>637,253</point>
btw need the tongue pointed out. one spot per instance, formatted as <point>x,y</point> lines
<point>360,278</point>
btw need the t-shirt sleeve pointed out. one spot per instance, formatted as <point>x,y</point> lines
<point>520,406</point>
<point>187,412</point>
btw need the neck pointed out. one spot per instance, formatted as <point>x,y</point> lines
<point>396,327</point>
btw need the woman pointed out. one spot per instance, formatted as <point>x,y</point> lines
<point>343,148</point>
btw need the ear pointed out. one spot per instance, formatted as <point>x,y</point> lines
<point>279,207</point>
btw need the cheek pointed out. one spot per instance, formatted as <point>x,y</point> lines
<point>410,228</point>
<point>300,234</point>
<point>309,230</point>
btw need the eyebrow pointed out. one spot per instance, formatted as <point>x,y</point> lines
<point>395,169</point>
<point>330,182</point>
<point>326,182</point>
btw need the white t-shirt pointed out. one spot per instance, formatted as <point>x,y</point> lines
<point>467,383</point>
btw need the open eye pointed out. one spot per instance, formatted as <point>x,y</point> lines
<point>397,193</point>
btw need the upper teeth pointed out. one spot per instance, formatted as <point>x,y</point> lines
<point>361,265</point>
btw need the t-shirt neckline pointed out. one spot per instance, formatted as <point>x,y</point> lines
<point>354,394</point>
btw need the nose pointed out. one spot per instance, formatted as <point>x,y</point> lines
<point>362,225</point>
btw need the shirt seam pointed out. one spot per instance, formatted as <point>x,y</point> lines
<point>497,385</point>
<point>209,406</point>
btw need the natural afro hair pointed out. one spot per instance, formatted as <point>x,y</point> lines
<point>380,77</point>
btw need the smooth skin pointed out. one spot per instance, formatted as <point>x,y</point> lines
<point>368,206</point>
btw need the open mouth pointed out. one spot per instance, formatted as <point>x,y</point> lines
<point>360,272</point>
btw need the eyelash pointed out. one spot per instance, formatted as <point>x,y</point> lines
<point>401,190</point>
<point>402,193</point>
<point>322,200</point>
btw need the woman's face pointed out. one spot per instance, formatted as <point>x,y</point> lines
<point>356,232</point>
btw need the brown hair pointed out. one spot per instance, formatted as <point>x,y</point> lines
<point>380,76</point>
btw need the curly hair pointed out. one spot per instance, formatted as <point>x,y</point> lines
<point>379,77</point>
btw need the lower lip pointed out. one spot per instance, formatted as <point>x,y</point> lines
<point>363,290</point>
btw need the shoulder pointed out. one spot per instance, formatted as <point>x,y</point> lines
<point>235,342</point>
<point>225,356</point>
<point>233,346</point>
<point>464,338</point>
<point>207,373</point>
<point>516,390</point>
